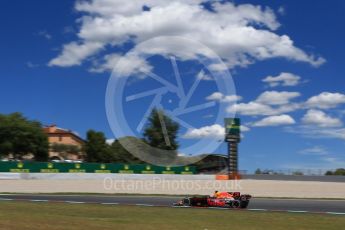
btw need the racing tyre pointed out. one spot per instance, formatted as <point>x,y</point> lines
<point>186,202</point>
<point>236,204</point>
<point>244,204</point>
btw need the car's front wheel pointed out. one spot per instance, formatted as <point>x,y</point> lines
<point>186,202</point>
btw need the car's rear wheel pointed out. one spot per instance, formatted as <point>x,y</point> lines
<point>244,204</point>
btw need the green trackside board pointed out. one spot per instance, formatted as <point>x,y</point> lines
<point>52,167</point>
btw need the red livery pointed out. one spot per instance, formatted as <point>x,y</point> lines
<point>222,199</point>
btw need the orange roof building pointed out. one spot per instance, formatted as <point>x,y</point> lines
<point>59,136</point>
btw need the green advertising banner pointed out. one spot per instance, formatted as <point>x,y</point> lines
<point>51,167</point>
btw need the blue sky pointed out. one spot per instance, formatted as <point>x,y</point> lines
<point>56,63</point>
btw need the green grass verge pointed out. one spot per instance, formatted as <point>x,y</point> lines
<point>60,216</point>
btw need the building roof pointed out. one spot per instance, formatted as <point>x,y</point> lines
<point>54,130</point>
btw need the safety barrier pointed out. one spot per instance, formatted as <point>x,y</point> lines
<point>52,167</point>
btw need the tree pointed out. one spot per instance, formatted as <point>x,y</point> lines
<point>121,155</point>
<point>258,171</point>
<point>337,172</point>
<point>161,131</point>
<point>20,136</point>
<point>96,148</point>
<point>329,173</point>
<point>297,173</point>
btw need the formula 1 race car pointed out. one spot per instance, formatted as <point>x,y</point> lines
<point>225,200</point>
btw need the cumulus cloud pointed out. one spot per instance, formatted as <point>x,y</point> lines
<point>218,96</point>
<point>213,131</point>
<point>316,150</point>
<point>203,76</point>
<point>320,118</point>
<point>240,34</point>
<point>332,133</point>
<point>276,98</point>
<point>251,108</point>
<point>318,132</point>
<point>326,100</point>
<point>244,128</point>
<point>275,103</point>
<point>267,103</point>
<point>74,53</point>
<point>283,79</point>
<point>275,121</point>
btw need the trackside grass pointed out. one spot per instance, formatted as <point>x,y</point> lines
<point>60,216</point>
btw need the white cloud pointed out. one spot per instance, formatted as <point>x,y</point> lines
<point>74,53</point>
<point>45,34</point>
<point>316,150</point>
<point>110,141</point>
<point>251,108</point>
<point>275,121</point>
<point>203,76</point>
<point>331,133</point>
<point>274,103</point>
<point>124,65</point>
<point>276,98</point>
<point>320,118</point>
<point>214,131</point>
<point>108,64</point>
<point>312,131</point>
<point>326,100</point>
<point>218,96</point>
<point>267,103</point>
<point>258,109</point>
<point>281,10</point>
<point>244,128</point>
<point>240,34</point>
<point>283,79</point>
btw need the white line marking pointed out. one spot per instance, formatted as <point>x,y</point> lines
<point>39,200</point>
<point>110,203</point>
<point>148,205</point>
<point>75,202</point>
<point>257,209</point>
<point>5,199</point>
<point>219,208</point>
<point>336,213</point>
<point>296,211</point>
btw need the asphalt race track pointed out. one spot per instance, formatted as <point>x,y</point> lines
<point>256,204</point>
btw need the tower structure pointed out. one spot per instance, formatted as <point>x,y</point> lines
<point>233,138</point>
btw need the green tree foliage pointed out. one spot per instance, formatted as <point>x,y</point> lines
<point>96,148</point>
<point>155,135</point>
<point>121,155</point>
<point>337,172</point>
<point>258,171</point>
<point>297,173</point>
<point>20,136</point>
